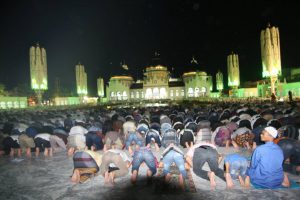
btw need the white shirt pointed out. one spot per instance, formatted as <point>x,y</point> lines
<point>45,136</point>
<point>78,130</point>
<point>121,153</point>
<point>15,138</point>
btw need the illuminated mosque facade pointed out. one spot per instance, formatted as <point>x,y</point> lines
<point>158,84</point>
<point>195,85</point>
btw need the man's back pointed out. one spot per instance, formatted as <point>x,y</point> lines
<point>266,166</point>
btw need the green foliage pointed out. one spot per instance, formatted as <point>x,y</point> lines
<point>3,91</point>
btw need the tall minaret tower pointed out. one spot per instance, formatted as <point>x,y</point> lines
<point>81,80</point>
<point>38,70</point>
<point>270,54</point>
<point>100,87</point>
<point>219,81</point>
<point>233,72</point>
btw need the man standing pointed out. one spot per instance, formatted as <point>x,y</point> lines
<point>266,163</point>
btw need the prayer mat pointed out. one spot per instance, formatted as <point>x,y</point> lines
<point>294,185</point>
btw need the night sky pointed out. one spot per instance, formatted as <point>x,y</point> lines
<point>101,34</point>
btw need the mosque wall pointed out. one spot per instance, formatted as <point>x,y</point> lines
<point>13,102</point>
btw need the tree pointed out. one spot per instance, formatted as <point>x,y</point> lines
<point>3,91</point>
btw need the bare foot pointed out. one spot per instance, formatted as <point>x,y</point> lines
<point>12,152</point>
<point>161,164</point>
<point>28,153</point>
<point>71,151</point>
<point>286,182</point>
<point>229,181</point>
<point>76,176</point>
<point>181,182</point>
<point>51,152</point>
<point>168,178</point>
<point>187,166</point>
<point>108,184</point>
<point>19,152</point>
<point>130,151</point>
<point>46,152</point>
<point>112,177</point>
<point>242,182</point>
<point>247,182</point>
<point>106,178</point>
<point>37,152</point>
<point>211,176</point>
<point>134,176</point>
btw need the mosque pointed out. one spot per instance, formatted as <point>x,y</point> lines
<point>196,85</point>
<point>158,84</point>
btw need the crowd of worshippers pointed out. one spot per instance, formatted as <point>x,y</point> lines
<point>110,142</point>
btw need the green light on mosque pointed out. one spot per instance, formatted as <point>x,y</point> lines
<point>233,83</point>
<point>81,91</point>
<point>36,86</point>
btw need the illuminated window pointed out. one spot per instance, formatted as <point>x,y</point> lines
<point>22,104</point>
<point>177,93</point>
<point>182,93</point>
<point>148,93</point>
<point>132,95</point>
<point>190,92</point>
<point>125,95</point>
<point>9,104</point>
<point>112,94</point>
<point>119,97</point>
<point>155,93</point>
<point>2,104</point>
<point>137,95</point>
<point>163,93</point>
<point>203,91</point>
<point>171,93</point>
<point>16,104</point>
<point>197,92</point>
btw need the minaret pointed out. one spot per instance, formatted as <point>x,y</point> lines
<point>219,81</point>
<point>38,70</point>
<point>81,80</point>
<point>100,87</point>
<point>270,54</point>
<point>233,72</point>
<point>57,87</point>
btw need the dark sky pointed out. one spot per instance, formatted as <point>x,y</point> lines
<point>100,34</point>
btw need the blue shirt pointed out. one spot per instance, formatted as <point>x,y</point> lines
<point>234,157</point>
<point>266,166</point>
